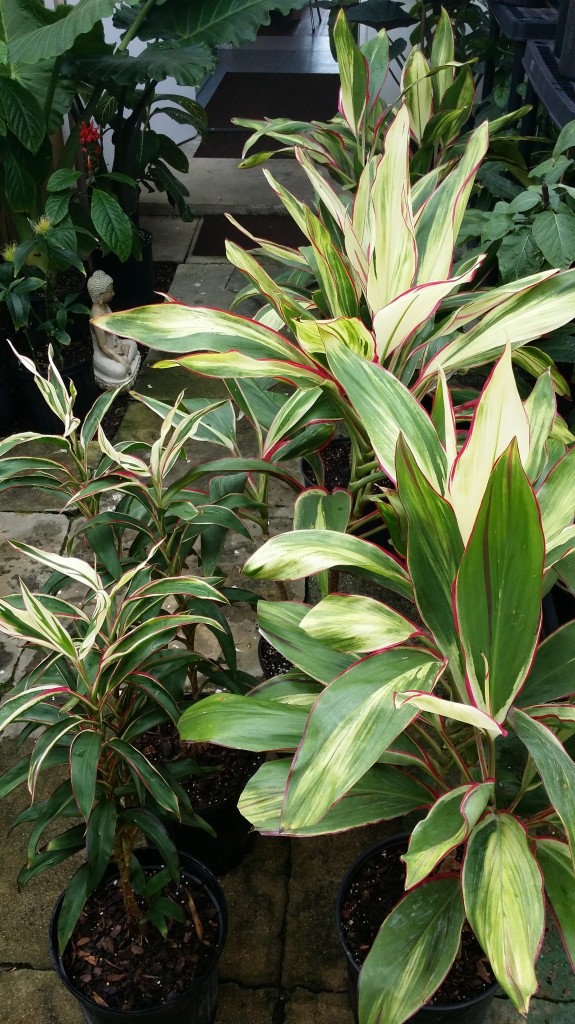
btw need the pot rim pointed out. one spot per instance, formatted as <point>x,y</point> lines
<point>397,839</point>
<point>199,872</point>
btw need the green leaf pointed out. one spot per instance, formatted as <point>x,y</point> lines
<point>113,226</point>
<point>556,496</point>
<point>503,895</point>
<point>72,905</point>
<point>412,953</point>
<point>304,552</point>
<point>554,765</point>
<point>100,836</point>
<point>552,674</point>
<point>434,554</point>
<point>417,92</point>
<point>361,624</point>
<point>157,835</point>
<point>554,233</point>
<point>382,793</point>
<point>280,624</point>
<point>557,866</point>
<point>144,771</point>
<point>353,74</point>
<point>316,510</point>
<point>243,722</point>
<point>84,758</point>
<point>350,726</point>
<point>22,112</point>
<point>447,824</point>
<point>498,590</point>
<point>371,389</point>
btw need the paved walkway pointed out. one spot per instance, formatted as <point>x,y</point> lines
<point>282,963</point>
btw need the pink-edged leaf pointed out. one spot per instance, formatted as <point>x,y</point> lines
<point>447,824</point>
<point>498,589</point>
<point>450,709</point>
<point>556,864</point>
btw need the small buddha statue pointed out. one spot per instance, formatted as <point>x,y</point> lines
<point>116,360</point>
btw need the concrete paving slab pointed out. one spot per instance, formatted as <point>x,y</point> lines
<point>44,531</point>
<point>313,957</point>
<point>256,892</point>
<point>249,1006</point>
<point>220,186</point>
<point>36,996</point>
<point>172,237</point>
<point>306,1007</point>
<point>541,1012</point>
<point>25,916</point>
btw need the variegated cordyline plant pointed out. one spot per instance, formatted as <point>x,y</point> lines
<point>387,289</point>
<point>129,503</point>
<point>107,674</point>
<point>457,709</point>
<point>439,94</point>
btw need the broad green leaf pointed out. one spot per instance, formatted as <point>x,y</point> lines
<point>396,323</point>
<point>316,510</point>
<point>538,309</point>
<point>554,233</point>
<point>434,554</point>
<point>335,278</point>
<point>20,109</point>
<point>245,723</point>
<point>280,623</point>
<point>442,54</point>
<point>349,623</point>
<point>416,87</point>
<point>552,674</point>
<point>315,336</point>
<point>447,824</point>
<point>112,225</point>
<point>540,408</point>
<point>439,219</point>
<point>556,496</point>
<point>554,765</point>
<point>56,37</point>
<point>499,588</point>
<point>175,328</point>
<point>84,759</point>
<point>417,943</point>
<point>498,419</point>
<point>557,866</point>
<point>352,723</point>
<point>291,556</point>
<point>393,260</point>
<point>387,408</point>
<point>502,891</point>
<point>353,72</point>
<point>234,364</point>
<point>450,709</point>
<point>381,794</point>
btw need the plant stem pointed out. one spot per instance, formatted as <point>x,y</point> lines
<point>135,26</point>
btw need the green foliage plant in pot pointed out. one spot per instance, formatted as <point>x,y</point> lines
<point>388,290</point>
<point>106,674</point>
<point>465,703</point>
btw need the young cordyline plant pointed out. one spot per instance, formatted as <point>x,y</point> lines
<point>458,710</point>
<point>130,504</point>
<point>386,289</point>
<point>107,675</point>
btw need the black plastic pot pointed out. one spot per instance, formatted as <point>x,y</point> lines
<point>199,1003</point>
<point>233,839</point>
<point>272,663</point>
<point>134,282</point>
<point>472,1011</point>
<point>340,446</point>
<point>38,414</point>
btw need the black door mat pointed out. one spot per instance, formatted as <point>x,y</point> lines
<point>300,97</point>
<point>274,227</point>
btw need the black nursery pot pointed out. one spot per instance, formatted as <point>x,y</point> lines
<point>472,1011</point>
<point>198,1004</point>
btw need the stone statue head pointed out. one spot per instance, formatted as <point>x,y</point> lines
<point>99,284</point>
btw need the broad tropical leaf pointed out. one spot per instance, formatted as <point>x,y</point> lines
<point>503,895</point>
<point>243,722</point>
<point>447,824</point>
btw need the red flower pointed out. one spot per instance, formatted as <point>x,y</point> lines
<point>89,133</point>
